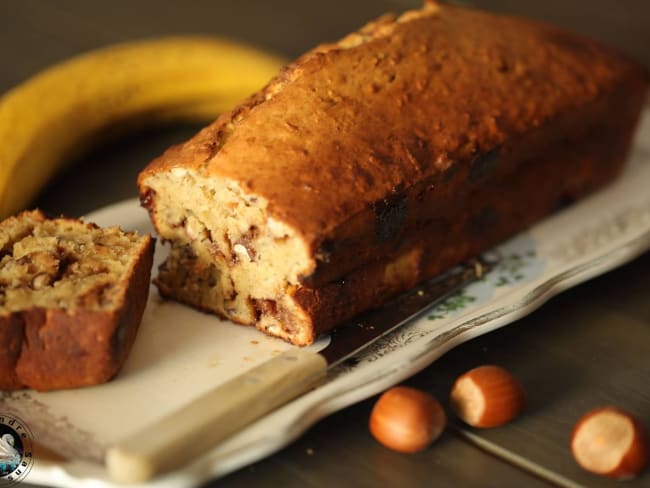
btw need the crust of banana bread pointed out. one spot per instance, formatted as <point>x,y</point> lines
<point>72,298</point>
<point>374,163</point>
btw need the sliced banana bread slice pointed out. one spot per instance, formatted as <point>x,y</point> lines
<point>72,295</point>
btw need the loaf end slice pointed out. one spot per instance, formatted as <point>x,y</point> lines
<point>72,296</point>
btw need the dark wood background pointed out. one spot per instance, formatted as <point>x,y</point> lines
<point>589,346</point>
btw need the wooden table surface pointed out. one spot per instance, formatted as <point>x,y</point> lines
<point>587,347</point>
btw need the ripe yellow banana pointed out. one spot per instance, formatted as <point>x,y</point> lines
<point>63,110</point>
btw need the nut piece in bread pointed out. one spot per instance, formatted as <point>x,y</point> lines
<point>72,296</point>
<point>379,161</point>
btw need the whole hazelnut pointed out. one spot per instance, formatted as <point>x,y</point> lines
<point>487,396</point>
<point>407,420</point>
<point>610,442</point>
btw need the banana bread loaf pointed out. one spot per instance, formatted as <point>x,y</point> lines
<point>71,299</point>
<point>374,163</point>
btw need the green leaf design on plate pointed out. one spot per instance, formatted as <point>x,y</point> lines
<point>511,270</point>
<point>451,304</point>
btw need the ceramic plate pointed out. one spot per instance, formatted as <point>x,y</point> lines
<point>181,353</point>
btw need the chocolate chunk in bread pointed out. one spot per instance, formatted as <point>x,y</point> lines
<point>379,161</point>
<point>72,295</point>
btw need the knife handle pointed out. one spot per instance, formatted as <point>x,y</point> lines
<point>204,422</point>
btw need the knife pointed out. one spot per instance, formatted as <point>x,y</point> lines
<point>204,422</point>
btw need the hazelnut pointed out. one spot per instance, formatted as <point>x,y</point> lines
<point>41,280</point>
<point>610,442</point>
<point>487,396</point>
<point>407,420</point>
<point>242,252</point>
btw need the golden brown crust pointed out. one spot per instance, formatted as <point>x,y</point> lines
<point>402,133</point>
<point>490,214</point>
<point>48,348</point>
<point>448,93</point>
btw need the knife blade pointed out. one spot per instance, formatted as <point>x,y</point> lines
<point>216,415</point>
